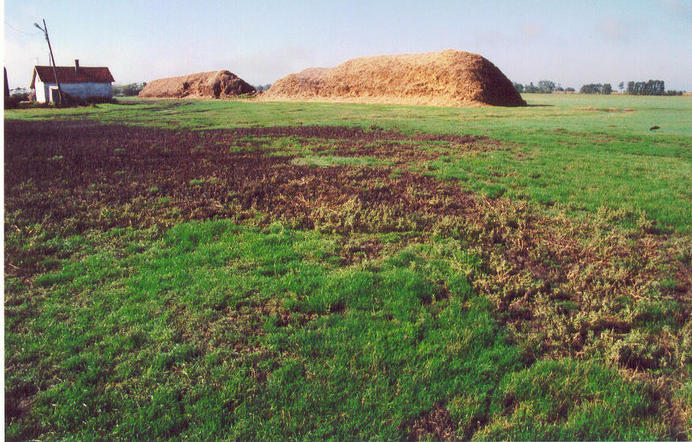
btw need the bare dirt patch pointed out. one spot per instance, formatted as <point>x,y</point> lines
<point>435,423</point>
<point>346,133</point>
<point>114,176</point>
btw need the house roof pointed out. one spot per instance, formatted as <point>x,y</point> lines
<point>68,74</point>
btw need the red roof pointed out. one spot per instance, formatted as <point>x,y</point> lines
<point>68,74</point>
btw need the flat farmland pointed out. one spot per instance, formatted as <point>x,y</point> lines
<point>259,270</point>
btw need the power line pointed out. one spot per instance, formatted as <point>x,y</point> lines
<point>20,31</point>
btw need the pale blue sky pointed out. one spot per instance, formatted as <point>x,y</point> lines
<point>569,42</point>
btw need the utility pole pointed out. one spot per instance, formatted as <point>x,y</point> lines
<point>7,86</point>
<point>55,72</point>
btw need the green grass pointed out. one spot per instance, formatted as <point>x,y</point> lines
<point>219,330</point>
<point>250,327</point>
<point>558,400</point>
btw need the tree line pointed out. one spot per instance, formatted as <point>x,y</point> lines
<point>596,88</point>
<point>543,87</point>
<point>128,90</point>
<point>651,87</point>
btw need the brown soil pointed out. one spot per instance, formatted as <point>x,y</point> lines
<point>217,84</point>
<point>436,424</point>
<point>348,133</point>
<point>446,78</point>
<point>76,168</point>
<point>397,147</point>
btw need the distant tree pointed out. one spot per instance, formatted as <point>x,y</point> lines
<point>530,88</point>
<point>546,86</point>
<point>659,87</point>
<point>21,94</point>
<point>570,89</point>
<point>621,86</point>
<point>519,87</point>
<point>128,90</point>
<point>596,88</point>
<point>592,88</point>
<point>262,87</point>
<point>651,87</point>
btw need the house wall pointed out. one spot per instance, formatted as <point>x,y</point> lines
<point>81,90</point>
<point>41,89</point>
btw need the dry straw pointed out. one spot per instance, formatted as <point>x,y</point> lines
<point>217,84</point>
<point>446,78</point>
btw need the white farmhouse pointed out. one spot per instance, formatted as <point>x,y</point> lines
<point>77,81</point>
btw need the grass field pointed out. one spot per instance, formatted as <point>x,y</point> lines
<point>239,269</point>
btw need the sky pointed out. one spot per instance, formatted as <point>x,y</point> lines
<point>571,42</point>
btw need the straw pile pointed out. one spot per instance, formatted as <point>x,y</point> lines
<point>446,78</point>
<point>217,84</point>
